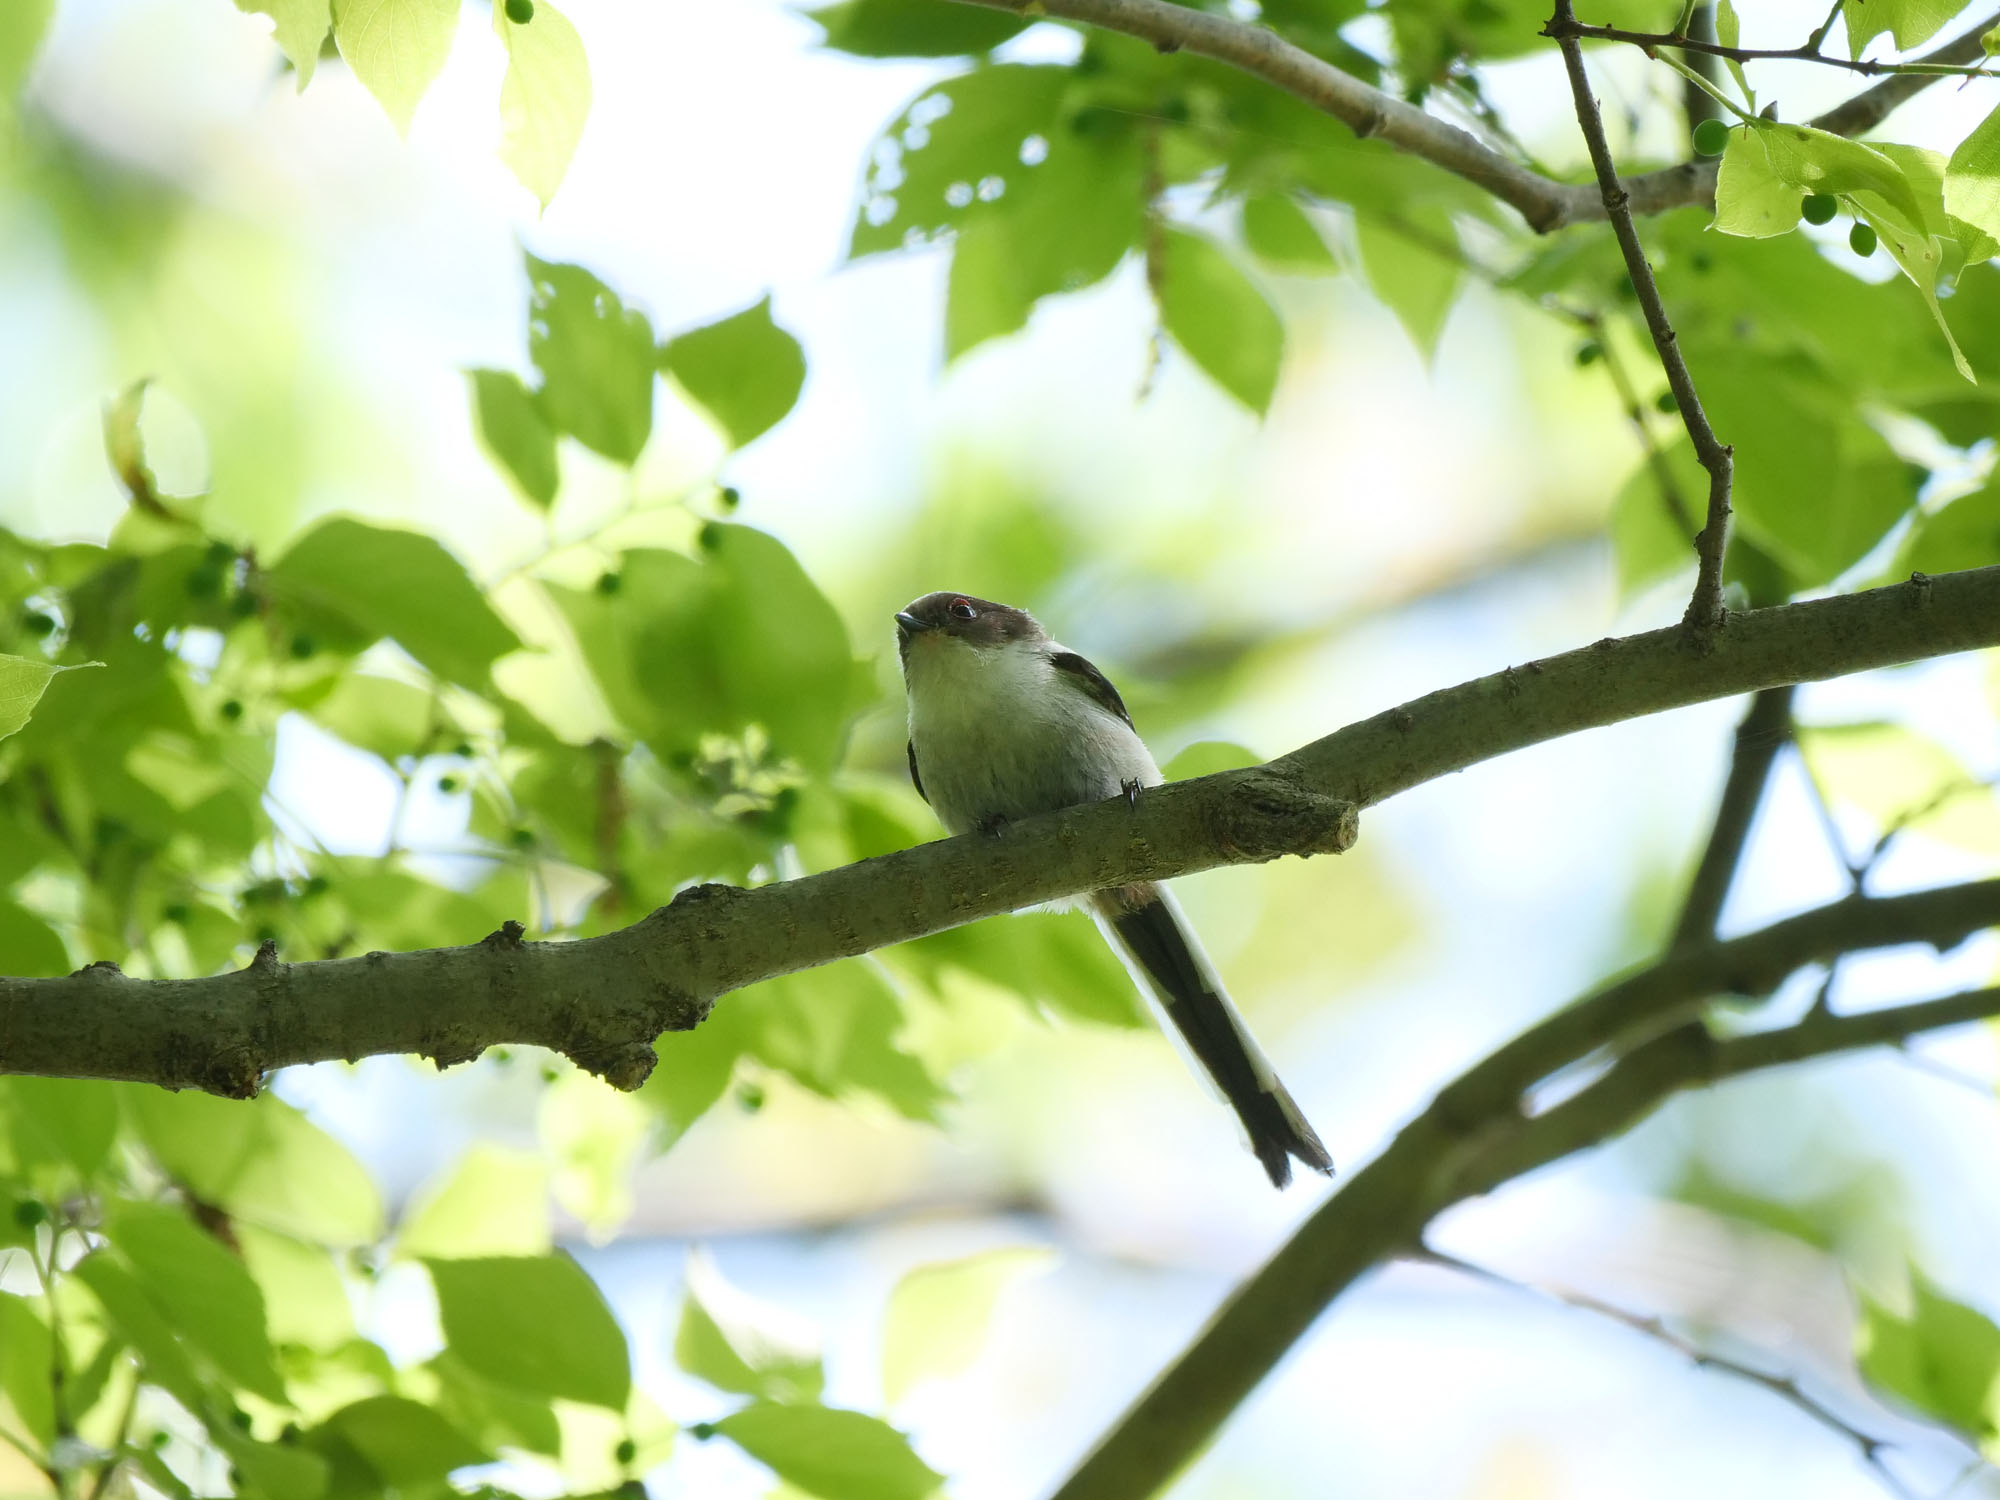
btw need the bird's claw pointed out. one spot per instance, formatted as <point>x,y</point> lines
<point>1131,789</point>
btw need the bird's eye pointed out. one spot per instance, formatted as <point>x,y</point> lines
<point>963,609</point>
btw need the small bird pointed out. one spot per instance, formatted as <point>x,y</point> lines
<point>1006,723</point>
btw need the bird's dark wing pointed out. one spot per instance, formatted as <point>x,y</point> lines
<point>1090,681</point>
<point>915,780</point>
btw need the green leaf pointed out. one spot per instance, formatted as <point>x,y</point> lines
<point>938,1315</point>
<point>22,683</point>
<point>495,1415</point>
<point>151,1332</point>
<point>351,581</point>
<point>544,99</point>
<point>305,1301</point>
<point>495,1202</point>
<point>830,1453</point>
<point>685,649</point>
<point>1972,181</point>
<point>1280,234</point>
<point>1412,266</point>
<point>203,1291</point>
<point>300,32</point>
<point>23,23</point>
<point>1910,22</point>
<point>516,434</point>
<point>1902,779</point>
<point>1652,529</point>
<point>1052,959</point>
<point>29,947</point>
<point>407,1444</point>
<point>912,28</point>
<point>1964,534</point>
<point>536,1324</point>
<point>736,1343</point>
<point>382,715</point>
<point>26,1356</point>
<point>1729,32</point>
<point>834,1029</point>
<point>594,1135</point>
<point>260,1160</point>
<point>596,357</point>
<point>267,1471</point>
<point>1207,757</point>
<point>1751,199</point>
<point>68,1120</point>
<point>1943,1359</point>
<point>745,370</point>
<point>1817,161</point>
<point>1219,318</point>
<point>396,48</point>
<point>1921,260</point>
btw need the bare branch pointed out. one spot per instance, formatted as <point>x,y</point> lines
<point>1766,729</point>
<point>1705,610</point>
<point>1571,29</point>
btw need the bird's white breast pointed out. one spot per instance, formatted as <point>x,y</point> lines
<point>1001,732</point>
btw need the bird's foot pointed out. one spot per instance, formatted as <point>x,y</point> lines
<point>991,826</point>
<point>1131,789</point>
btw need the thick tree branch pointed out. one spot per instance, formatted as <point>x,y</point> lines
<point>1704,611</point>
<point>1766,729</point>
<point>1380,1212</point>
<point>605,999</point>
<point>1546,204</point>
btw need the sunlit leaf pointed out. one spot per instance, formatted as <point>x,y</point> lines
<point>833,1454</point>
<point>938,1315</point>
<point>515,432</point>
<point>405,1442</point>
<point>22,683</point>
<point>22,25</point>
<point>1221,319</point>
<point>596,358</point>
<point>536,1324</point>
<point>594,1135</point>
<point>736,1343</point>
<point>396,48</point>
<point>1413,266</point>
<point>1280,234</point>
<point>1943,1359</point>
<point>1751,199</point>
<point>545,97</point>
<point>26,1348</point>
<point>1972,181</point>
<point>912,28</point>
<point>1903,780</point>
<point>300,30</point>
<point>1910,23</point>
<point>745,370</point>
<point>494,1202</point>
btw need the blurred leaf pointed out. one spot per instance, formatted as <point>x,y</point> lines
<point>1280,234</point>
<point>544,99</point>
<point>69,1120</point>
<point>834,1029</point>
<point>512,427</point>
<point>594,1135</point>
<point>396,48</point>
<point>406,1443</point>
<point>1221,320</point>
<point>1943,1359</point>
<point>304,1299</point>
<point>203,1291</point>
<point>1964,534</point>
<point>1207,757</point>
<point>1972,181</point>
<point>493,1414</point>
<point>382,715</point>
<point>261,1160</point>
<point>300,32</point>
<point>737,1343</point>
<point>912,28</point>
<point>596,357</point>
<point>833,1454</point>
<point>938,1315</point>
<point>29,947</point>
<point>745,371</point>
<point>1652,529</point>
<point>1903,780</point>
<point>1751,199</point>
<point>143,1325</point>
<point>27,1353</point>
<point>360,582</point>
<point>536,1324</point>
<point>1729,32</point>
<point>1413,267</point>
<point>1056,959</point>
<point>22,683</point>
<point>268,1471</point>
<point>22,26</point>
<point>495,1202</point>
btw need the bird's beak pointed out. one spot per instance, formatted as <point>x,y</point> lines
<point>908,624</point>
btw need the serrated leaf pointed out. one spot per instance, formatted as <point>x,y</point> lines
<point>396,48</point>
<point>204,1292</point>
<point>830,1453</point>
<point>938,1315</point>
<point>262,1161</point>
<point>535,1324</point>
<point>1910,22</point>
<point>1751,199</point>
<point>300,30</point>
<point>494,1202</point>
<point>544,99</point>
<point>737,1343</point>
<point>515,433</point>
<point>1219,318</point>
<point>596,357</point>
<point>1280,234</point>
<point>359,582</point>
<point>745,371</point>
<point>1410,269</point>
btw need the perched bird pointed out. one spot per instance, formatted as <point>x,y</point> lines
<point>1006,723</point>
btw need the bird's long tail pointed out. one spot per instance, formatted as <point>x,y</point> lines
<point>1145,923</point>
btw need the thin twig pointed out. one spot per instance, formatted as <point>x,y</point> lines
<point>1705,611</point>
<point>1785,1387</point>
<point>1571,29</point>
<point>1765,730</point>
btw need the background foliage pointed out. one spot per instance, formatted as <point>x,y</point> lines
<point>595,673</point>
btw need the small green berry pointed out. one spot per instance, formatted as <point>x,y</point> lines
<point>37,623</point>
<point>750,1097</point>
<point>28,1213</point>
<point>1588,354</point>
<point>1711,138</point>
<point>221,552</point>
<point>447,784</point>
<point>1861,239</point>
<point>609,584</point>
<point>524,838</point>
<point>626,1451</point>
<point>303,646</point>
<point>1665,402</point>
<point>729,497</point>
<point>243,604</point>
<point>701,1432</point>
<point>205,581</point>
<point>1819,208</point>
<point>520,12</point>
<point>232,709</point>
<point>159,1439</point>
<point>175,912</point>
